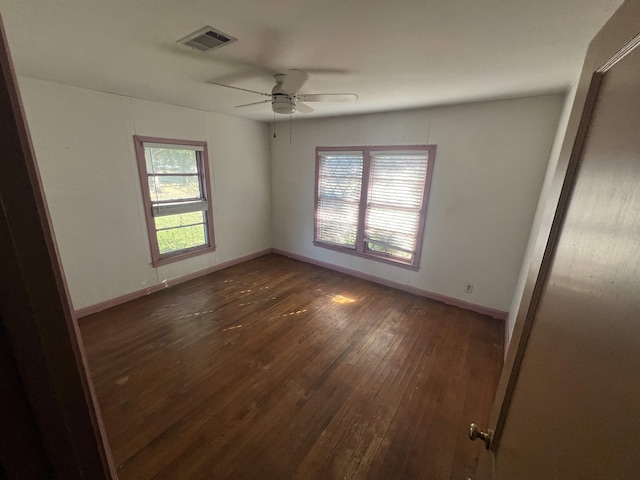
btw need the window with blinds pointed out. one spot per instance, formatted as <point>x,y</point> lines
<point>394,203</point>
<point>177,201</point>
<point>372,201</point>
<point>338,200</point>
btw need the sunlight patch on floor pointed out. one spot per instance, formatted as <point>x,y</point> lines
<point>342,299</point>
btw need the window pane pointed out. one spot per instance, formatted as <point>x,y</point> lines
<point>391,231</point>
<point>391,224</point>
<point>170,160</point>
<point>392,252</point>
<point>174,188</point>
<point>346,188</point>
<point>395,198</point>
<point>398,180</point>
<point>339,185</point>
<point>180,211</point>
<point>179,220</point>
<point>337,222</point>
<point>181,238</point>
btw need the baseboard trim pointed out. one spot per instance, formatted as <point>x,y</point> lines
<point>98,307</point>
<point>492,312</point>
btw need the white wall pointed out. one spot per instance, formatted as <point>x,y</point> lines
<point>83,141</point>
<point>490,163</point>
<point>537,220</point>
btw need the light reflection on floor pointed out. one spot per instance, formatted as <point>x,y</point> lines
<point>342,299</point>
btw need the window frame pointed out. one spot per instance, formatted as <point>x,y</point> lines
<point>202,159</point>
<point>360,247</point>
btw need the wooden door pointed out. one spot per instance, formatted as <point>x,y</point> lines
<point>571,407</point>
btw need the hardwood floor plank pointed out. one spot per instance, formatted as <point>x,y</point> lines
<point>276,369</point>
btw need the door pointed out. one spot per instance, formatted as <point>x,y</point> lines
<point>572,407</point>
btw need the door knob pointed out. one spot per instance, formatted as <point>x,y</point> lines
<point>475,433</point>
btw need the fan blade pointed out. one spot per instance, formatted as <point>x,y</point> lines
<point>253,103</point>
<point>238,88</point>
<point>303,108</point>
<point>293,81</point>
<point>328,97</point>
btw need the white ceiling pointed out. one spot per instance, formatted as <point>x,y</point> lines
<point>395,54</point>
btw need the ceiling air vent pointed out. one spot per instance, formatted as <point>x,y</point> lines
<point>206,39</point>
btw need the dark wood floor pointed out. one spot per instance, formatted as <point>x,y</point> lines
<point>275,369</point>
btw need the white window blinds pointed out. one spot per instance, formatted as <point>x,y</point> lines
<point>339,186</point>
<point>395,202</point>
<point>372,201</point>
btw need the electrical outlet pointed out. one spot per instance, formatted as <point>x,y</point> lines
<point>468,288</point>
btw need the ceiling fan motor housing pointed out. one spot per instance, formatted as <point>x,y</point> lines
<point>283,103</point>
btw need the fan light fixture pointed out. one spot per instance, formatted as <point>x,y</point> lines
<point>284,96</point>
<point>284,104</point>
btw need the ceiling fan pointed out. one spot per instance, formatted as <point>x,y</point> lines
<point>285,97</point>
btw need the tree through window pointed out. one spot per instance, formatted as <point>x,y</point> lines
<point>176,189</point>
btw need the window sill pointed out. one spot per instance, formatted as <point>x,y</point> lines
<point>370,256</point>
<point>177,256</point>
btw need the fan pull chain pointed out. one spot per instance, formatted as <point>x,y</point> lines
<point>290,115</point>
<point>274,124</point>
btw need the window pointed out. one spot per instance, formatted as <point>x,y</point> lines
<point>372,201</point>
<point>175,185</point>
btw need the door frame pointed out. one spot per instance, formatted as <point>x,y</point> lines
<point>52,386</point>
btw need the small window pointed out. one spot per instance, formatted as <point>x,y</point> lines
<point>176,190</point>
<point>372,201</point>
